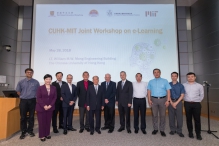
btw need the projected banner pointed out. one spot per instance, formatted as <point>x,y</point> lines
<point>104,38</point>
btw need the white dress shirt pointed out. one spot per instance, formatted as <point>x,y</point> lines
<point>193,92</point>
<point>139,89</point>
<point>70,87</point>
<point>59,82</point>
<point>96,88</point>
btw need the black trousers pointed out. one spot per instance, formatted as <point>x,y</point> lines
<point>97,114</point>
<point>68,117</point>
<point>27,122</point>
<point>58,109</point>
<point>83,112</point>
<point>139,104</point>
<point>193,110</point>
<point>109,116</point>
<point>124,115</point>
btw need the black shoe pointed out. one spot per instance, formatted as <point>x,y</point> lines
<point>43,139</point>
<point>104,128</point>
<point>23,135</point>
<point>199,137</point>
<point>163,133</point>
<point>181,135</point>
<point>191,135</point>
<point>172,132</point>
<point>91,133</point>
<point>110,131</point>
<point>88,129</point>
<point>154,132</point>
<point>60,127</point>
<point>65,132</point>
<point>143,131</point>
<point>129,131</point>
<point>136,131</point>
<point>72,129</point>
<point>81,130</point>
<point>31,134</point>
<point>121,129</point>
<point>99,132</point>
<point>55,131</point>
<point>48,137</point>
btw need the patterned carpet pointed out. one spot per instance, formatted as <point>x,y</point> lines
<point>119,139</point>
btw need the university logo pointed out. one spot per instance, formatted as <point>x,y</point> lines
<point>93,13</point>
<point>109,13</point>
<point>151,13</point>
<point>52,13</point>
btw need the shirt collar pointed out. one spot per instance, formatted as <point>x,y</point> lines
<point>29,79</point>
<point>58,81</point>
<point>189,84</point>
<point>174,84</point>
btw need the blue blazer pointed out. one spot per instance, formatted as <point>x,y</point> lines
<point>109,93</point>
<point>67,95</point>
<point>93,100</point>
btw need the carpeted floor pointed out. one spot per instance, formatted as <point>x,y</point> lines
<point>116,138</point>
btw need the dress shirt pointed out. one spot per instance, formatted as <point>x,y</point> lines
<point>194,92</point>
<point>59,82</point>
<point>107,84</point>
<point>123,83</point>
<point>86,84</point>
<point>176,90</point>
<point>96,88</point>
<point>70,86</point>
<point>139,89</point>
<point>158,87</point>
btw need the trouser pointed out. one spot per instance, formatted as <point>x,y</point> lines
<point>109,116</point>
<point>193,110</point>
<point>58,109</point>
<point>176,116</point>
<point>68,117</point>
<point>158,107</point>
<point>83,112</point>
<point>124,115</point>
<point>27,106</point>
<point>44,122</point>
<point>139,104</point>
<point>97,114</point>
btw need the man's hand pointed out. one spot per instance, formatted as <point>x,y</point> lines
<point>174,105</point>
<point>88,108</point>
<point>116,102</point>
<point>102,107</point>
<point>150,102</point>
<point>46,107</point>
<point>167,103</point>
<point>71,102</point>
<point>106,101</point>
<point>129,105</point>
<point>61,98</point>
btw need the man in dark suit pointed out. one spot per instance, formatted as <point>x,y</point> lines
<point>69,95</point>
<point>58,105</point>
<point>109,90</point>
<point>95,102</point>
<point>124,94</point>
<point>82,87</point>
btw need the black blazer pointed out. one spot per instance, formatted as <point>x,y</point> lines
<point>67,95</point>
<point>95,101</point>
<point>58,90</point>
<point>82,92</point>
<point>109,93</point>
<point>124,96</point>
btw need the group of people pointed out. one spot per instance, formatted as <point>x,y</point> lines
<point>59,98</point>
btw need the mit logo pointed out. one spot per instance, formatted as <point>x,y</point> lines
<point>151,13</point>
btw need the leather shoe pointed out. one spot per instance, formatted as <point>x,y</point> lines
<point>154,132</point>
<point>180,135</point>
<point>55,131</point>
<point>60,127</point>
<point>91,133</point>
<point>72,129</point>
<point>81,130</point>
<point>23,135</point>
<point>120,129</point>
<point>99,132</point>
<point>191,135</point>
<point>48,137</point>
<point>31,134</point>
<point>199,137</point>
<point>104,128</point>
<point>65,132</point>
<point>43,139</point>
<point>172,132</point>
<point>144,132</point>
<point>163,133</point>
<point>88,129</point>
<point>110,131</point>
<point>136,131</point>
<point>129,131</point>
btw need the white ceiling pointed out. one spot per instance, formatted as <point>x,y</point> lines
<point>179,2</point>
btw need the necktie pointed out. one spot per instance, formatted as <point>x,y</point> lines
<point>107,84</point>
<point>70,87</point>
<point>96,88</point>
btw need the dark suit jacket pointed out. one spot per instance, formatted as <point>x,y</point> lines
<point>109,93</point>
<point>67,95</point>
<point>82,92</point>
<point>95,101</point>
<point>44,99</point>
<point>124,96</point>
<point>58,90</point>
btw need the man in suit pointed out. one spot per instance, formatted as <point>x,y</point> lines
<point>95,102</point>
<point>69,96</point>
<point>109,90</point>
<point>82,87</point>
<point>58,104</point>
<point>124,94</point>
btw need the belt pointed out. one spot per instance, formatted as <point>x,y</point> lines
<point>192,102</point>
<point>158,97</point>
<point>138,98</point>
<point>174,100</point>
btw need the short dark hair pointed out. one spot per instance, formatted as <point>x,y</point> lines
<point>85,72</point>
<point>28,69</point>
<point>59,73</point>
<point>191,73</point>
<point>123,72</point>
<point>175,73</point>
<point>47,76</point>
<point>138,74</point>
<point>156,69</point>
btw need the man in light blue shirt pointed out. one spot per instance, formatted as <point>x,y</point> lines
<point>158,99</point>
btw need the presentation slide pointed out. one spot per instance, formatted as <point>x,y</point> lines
<point>104,38</point>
